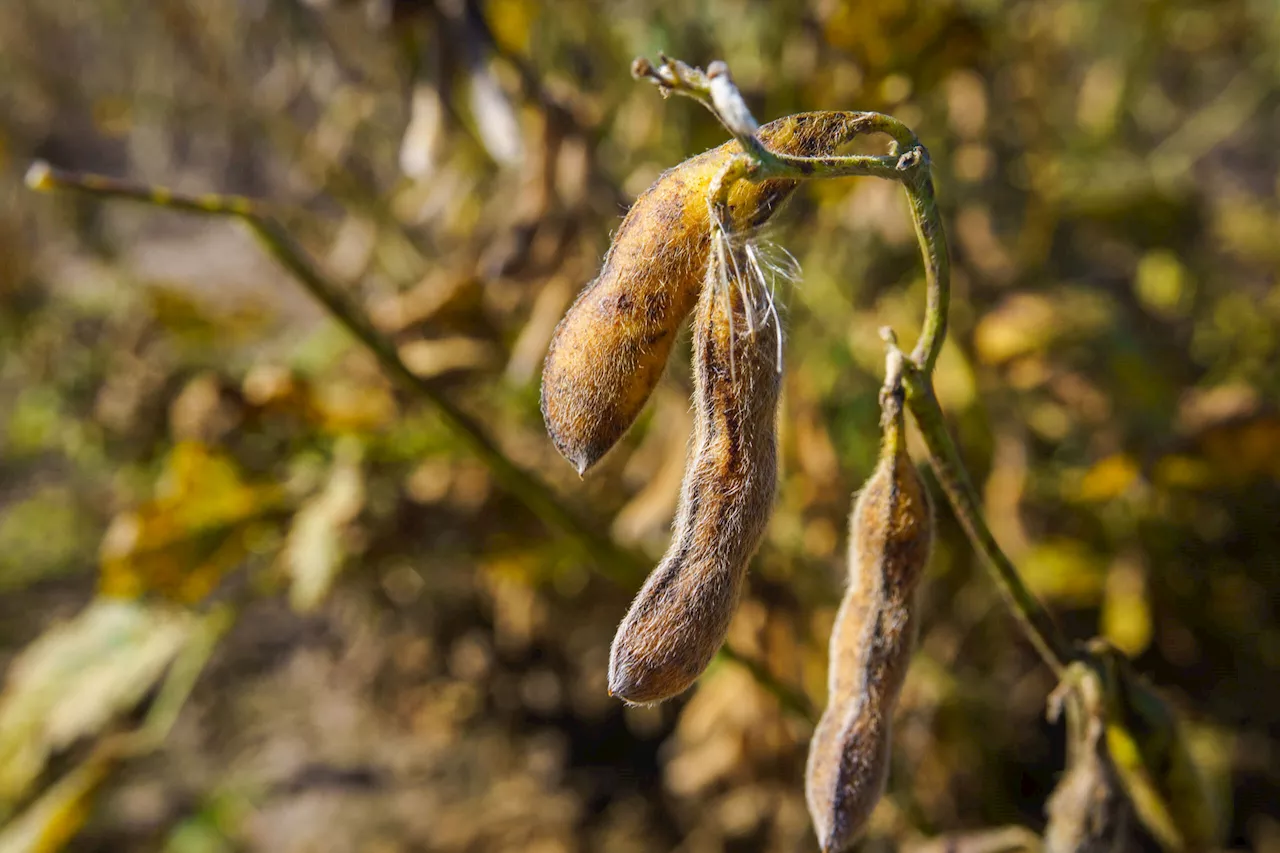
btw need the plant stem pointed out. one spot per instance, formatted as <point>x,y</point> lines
<point>945,460</point>
<point>615,562</point>
<point>944,457</point>
<point>181,679</point>
<point>937,261</point>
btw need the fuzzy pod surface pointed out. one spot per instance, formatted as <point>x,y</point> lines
<point>890,540</point>
<point>608,353</point>
<point>681,615</point>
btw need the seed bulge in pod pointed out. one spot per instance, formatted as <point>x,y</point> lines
<point>891,535</point>
<point>680,617</point>
<point>612,346</point>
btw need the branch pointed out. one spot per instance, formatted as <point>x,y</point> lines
<point>613,561</point>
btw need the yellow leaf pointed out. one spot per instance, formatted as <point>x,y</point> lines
<point>1064,570</point>
<point>1162,283</point>
<point>1109,478</point>
<point>1025,323</point>
<point>54,819</point>
<point>1171,788</point>
<point>512,21</point>
<point>1126,615</point>
<point>1141,788</point>
<point>184,541</point>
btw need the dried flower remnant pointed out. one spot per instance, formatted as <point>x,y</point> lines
<point>611,348</point>
<point>891,535</point>
<point>681,615</point>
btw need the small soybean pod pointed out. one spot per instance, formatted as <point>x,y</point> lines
<point>608,353</point>
<point>680,617</point>
<point>891,536</point>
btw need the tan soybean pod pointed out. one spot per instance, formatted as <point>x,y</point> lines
<point>610,349</point>
<point>681,615</point>
<point>891,535</point>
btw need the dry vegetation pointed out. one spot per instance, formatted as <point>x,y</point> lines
<point>197,462</point>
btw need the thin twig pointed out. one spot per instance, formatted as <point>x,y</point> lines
<point>613,561</point>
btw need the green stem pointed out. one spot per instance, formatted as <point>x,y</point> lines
<point>805,168</point>
<point>945,459</point>
<point>617,563</point>
<point>937,261</point>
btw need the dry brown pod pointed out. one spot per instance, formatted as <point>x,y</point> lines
<point>612,346</point>
<point>891,536</point>
<point>1088,811</point>
<point>680,617</point>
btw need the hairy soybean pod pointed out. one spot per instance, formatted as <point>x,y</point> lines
<point>681,615</point>
<point>610,349</point>
<point>891,534</point>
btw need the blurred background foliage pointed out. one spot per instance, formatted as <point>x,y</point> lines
<point>202,478</point>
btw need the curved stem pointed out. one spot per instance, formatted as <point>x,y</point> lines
<point>937,260</point>
<point>944,457</point>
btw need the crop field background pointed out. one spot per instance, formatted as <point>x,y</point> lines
<point>391,651</point>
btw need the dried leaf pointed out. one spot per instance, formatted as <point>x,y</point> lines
<point>182,543</point>
<point>424,137</point>
<point>49,823</point>
<point>431,358</point>
<point>495,118</point>
<point>314,551</point>
<point>535,336</point>
<point>342,406</point>
<point>1087,811</point>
